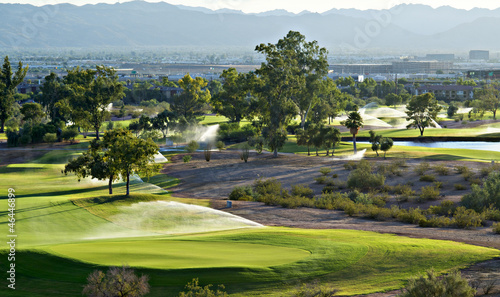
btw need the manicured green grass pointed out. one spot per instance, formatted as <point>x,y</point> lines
<point>67,229</point>
<point>213,119</point>
<point>3,136</point>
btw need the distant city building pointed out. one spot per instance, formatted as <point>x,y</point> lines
<point>440,57</point>
<point>361,68</point>
<point>421,66</point>
<point>451,92</point>
<point>479,55</point>
<point>484,74</point>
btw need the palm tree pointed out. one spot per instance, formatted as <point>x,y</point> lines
<point>353,122</point>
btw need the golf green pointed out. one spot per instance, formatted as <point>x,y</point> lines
<point>172,254</point>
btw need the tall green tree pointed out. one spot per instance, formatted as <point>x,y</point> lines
<point>488,99</point>
<point>331,138</point>
<point>8,84</point>
<point>193,99</point>
<point>281,78</point>
<point>422,112</point>
<point>32,112</point>
<point>354,122</point>
<point>233,100</point>
<point>91,93</point>
<point>55,98</point>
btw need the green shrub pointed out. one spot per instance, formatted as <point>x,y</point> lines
<point>50,138</point>
<point>187,158</point>
<point>451,285</point>
<point>362,178</point>
<point>13,138</point>
<point>483,196</point>
<point>267,187</point>
<point>445,208</point>
<point>427,178</point>
<point>335,175</point>
<point>325,170</point>
<point>193,289</point>
<point>314,290</point>
<point>421,168</point>
<point>69,134</point>
<point>496,228</point>
<point>302,190</point>
<point>475,181</point>
<point>323,180</point>
<point>441,169</point>
<point>411,216</point>
<point>359,197</point>
<point>460,187</point>
<point>485,171</point>
<point>244,193</point>
<point>438,184</point>
<point>491,213</point>
<point>219,145</point>
<point>245,152</point>
<point>436,222</point>
<point>461,169</point>
<point>467,218</point>
<point>350,165</point>
<point>192,146</point>
<point>429,193</point>
<point>328,189</point>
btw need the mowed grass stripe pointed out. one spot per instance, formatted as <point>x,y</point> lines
<point>170,254</point>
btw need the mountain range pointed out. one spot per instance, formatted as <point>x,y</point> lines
<point>139,23</point>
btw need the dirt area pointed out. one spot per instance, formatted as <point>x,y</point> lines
<point>216,179</point>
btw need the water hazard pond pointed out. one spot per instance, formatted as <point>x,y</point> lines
<point>471,145</point>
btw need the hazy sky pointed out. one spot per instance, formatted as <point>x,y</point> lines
<point>290,5</point>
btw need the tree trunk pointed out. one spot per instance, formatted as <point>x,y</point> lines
<point>327,152</point>
<point>275,154</point>
<point>317,154</point>
<point>495,114</point>
<point>308,151</point>
<point>384,154</point>
<point>354,143</point>
<point>421,132</point>
<point>110,185</point>
<point>2,129</point>
<point>97,133</point>
<point>128,183</point>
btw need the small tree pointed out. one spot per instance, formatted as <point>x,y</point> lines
<point>375,141</point>
<point>386,144</point>
<point>332,138</point>
<point>118,281</point>
<point>208,151</point>
<point>192,146</point>
<point>451,285</point>
<point>50,138</point>
<point>353,123</point>
<point>245,152</point>
<point>422,112</point>
<point>220,145</point>
<point>69,134</point>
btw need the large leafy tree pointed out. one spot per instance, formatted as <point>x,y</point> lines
<point>282,81</point>
<point>488,99</point>
<point>8,84</point>
<point>190,103</point>
<point>55,98</point>
<point>422,111</point>
<point>232,101</point>
<point>92,92</point>
<point>353,123</point>
<point>32,112</point>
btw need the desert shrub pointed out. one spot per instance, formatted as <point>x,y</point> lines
<point>350,165</point>
<point>460,187</point>
<point>219,145</point>
<point>441,169</point>
<point>341,185</point>
<point>467,218</point>
<point>438,184</point>
<point>118,281</point>
<point>362,178</point>
<point>328,189</point>
<point>435,222</point>
<point>482,197</point>
<point>475,181</point>
<point>322,179</point>
<point>445,208</point>
<point>403,192</point>
<point>411,216</point>
<point>207,152</point>
<point>192,146</point>
<point>359,197</point>
<point>379,200</point>
<point>333,200</point>
<point>295,202</point>
<point>245,152</point>
<point>427,178</point>
<point>461,169</point>
<point>193,289</point>
<point>302,190</point>
<point>485,171</point>
<point>496,228</point>
<point>267,187</point>
<point>421,168</point>
<point>314,290</point>
<point>244,193</point>
<point>187,158</point>
<point>325,170</point>
<point>50,138</point>
<point>392,168</point>
<point>450,285</point>
<point>429,193</point>
<point>468,175</point>
<point>491,213</point>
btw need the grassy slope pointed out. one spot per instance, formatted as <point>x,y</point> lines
<point>356,262</point>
